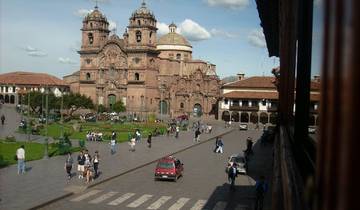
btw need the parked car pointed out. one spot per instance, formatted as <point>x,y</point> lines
<point>243,126</point>
<point>240,161</point>
<point>169,168</point>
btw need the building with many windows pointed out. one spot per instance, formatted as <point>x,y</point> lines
<point>148,74</point>
<point>255,99</point>
<point>15,84</point>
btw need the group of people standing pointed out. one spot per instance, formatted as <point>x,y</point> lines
<point>87,166</point>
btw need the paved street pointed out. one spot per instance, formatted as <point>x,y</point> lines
<point>203,186</point>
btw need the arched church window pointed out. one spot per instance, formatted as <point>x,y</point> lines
<point>138,36</point>
<point>150,37</point>
<point>88,76</point>
<point>178,56</point>
<point>181,105</point>
<point>91,25</point>
<point>137,77</point>
<point>91,38</point>
<point>139,23</point>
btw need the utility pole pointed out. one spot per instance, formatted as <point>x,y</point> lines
<point>46,156</point>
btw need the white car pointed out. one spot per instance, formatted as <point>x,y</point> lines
<point>243,126</point>
<point>240,161</point>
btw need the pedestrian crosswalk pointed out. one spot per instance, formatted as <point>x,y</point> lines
<point>147,201</point>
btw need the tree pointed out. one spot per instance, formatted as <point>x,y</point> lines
<point>75,101</point>
<point>38,101</point>
<point>119,107</point>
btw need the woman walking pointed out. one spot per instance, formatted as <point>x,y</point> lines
<point>68,165</point>
<point>96,160</point>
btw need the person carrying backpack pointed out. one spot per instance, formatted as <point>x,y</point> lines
<point>261,188</point>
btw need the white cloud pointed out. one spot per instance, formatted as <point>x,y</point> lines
<point>37,54</point>
<point>82,12</point>
<point>221,33</point>
<point>75,47</point>
<point>163,28</point>
<point>193,31</point>
<point>30,49</point>
<point>232,4</point>
<point>66,61</point>
<point>34,52</point>
<point>257,38</point>
<point>112,25</point>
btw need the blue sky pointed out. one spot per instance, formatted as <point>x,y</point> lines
<point>43,35</point>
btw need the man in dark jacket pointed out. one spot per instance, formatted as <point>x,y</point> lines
<point>232,174</point>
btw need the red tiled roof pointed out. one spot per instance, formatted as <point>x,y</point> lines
<point>30,78</point>
<point>253,82</point>
<point>251,95</point>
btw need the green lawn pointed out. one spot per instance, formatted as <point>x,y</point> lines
<point>106,128</point>
<point>33,151</point>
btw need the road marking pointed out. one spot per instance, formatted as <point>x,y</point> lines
<point>199,205</point>
<point>86,195</point>
<point>241,207</point>
<point>179,204</point>
<point>139,201</point>
<point>159,202</point>
<point>220,205</point>
<point>121,199</point>
<point>103,197</point>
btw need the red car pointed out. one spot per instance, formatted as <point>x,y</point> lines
<point>169,168</point>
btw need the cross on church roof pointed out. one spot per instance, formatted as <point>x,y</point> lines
<point>96,4</point>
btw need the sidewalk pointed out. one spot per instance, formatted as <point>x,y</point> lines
<point>46,179</point>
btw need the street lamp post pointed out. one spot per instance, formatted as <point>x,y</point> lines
<point>61,115</point>
<point>28,128</point>
<point>46,156</point>
<point>161,103</point>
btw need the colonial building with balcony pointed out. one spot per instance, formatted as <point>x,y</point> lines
<point>255,100</point>
<point>14,85</point>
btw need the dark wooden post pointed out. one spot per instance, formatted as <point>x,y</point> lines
<point>338,154</point>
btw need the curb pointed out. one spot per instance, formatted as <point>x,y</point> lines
<point>128,171</point>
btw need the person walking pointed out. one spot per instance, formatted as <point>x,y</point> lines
<point>2,119</point>
<point>216,143</point>
<point>132,144</point>
<point>261,188</point>
<point>81,163</point>
<point>137,135</point>
<point>20,156</point>
<point>232,174</point>
<point>113,135</point>
<point>112,146</point>
<point>177,130</point>
<point>96,161</point>
<point>149,140</point>
<point>220,145</point>
<point>68,165</point>
<point>197,135</point>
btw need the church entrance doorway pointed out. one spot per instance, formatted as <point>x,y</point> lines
<point>111,101</point>
<point>163,107</point>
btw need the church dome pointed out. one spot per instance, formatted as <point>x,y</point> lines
<point>173,40</point>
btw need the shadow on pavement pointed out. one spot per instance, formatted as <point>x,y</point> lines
<point>242,197</point>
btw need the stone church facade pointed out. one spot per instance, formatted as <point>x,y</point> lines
<point>149,75</point>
